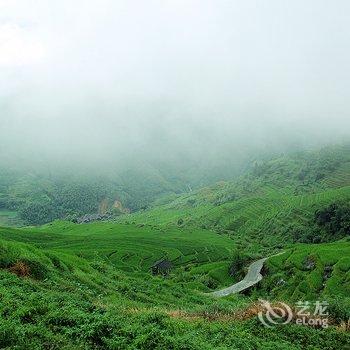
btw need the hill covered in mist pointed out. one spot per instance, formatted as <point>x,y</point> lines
<point>41,193</point>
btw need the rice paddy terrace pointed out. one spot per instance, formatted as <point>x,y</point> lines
<point>91,286</point>
<point>9,218</point>
<point>306,272</point>
<point>66,284</point>
<point>259,218</point>
<point>287,189</point>
<point>132,248</point>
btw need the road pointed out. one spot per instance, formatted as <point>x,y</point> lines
<point>252,277</point>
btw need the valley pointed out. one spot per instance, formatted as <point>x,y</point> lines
<point>160,277</point>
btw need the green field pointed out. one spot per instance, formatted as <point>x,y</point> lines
<point>259,222</point>
<point>9,218</point>
<point>132,248</point>
<point>62,287</point>
<point>91,286</point>
<point>309,271</point>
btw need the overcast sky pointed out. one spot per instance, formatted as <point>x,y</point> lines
<point>164,77</point>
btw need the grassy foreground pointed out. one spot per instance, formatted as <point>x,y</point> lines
<point>90,286</point>
<point>61,288</point>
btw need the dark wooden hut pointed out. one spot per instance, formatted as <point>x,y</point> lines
<point>161,267</point>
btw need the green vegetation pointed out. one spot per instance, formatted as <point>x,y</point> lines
<point>42,196</point>
<point>9,218</point>
<point>309,271</point>
<point>61,289</point>
<point>39,198</point>
<point>131,248</point>
<point>268,207</point>
<point>92,286</point>
<point>335,219</point>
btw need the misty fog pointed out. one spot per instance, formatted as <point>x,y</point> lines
<point>171,81</point>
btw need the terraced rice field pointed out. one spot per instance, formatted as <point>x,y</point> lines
<point>307,270</point>
<point>8,218</point>
<point>246,215</point>
<point>340,177</point>
<point>128,247</point>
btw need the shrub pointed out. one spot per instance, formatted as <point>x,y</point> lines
<point>20,269</point>
<point>36,268</point>
<point>339,309</point>
<point>335,219</point>
<point>238,262</point>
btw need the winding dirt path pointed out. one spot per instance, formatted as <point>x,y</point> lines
<point>252,277</point>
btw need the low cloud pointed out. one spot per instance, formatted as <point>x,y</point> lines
<point>163,80</point>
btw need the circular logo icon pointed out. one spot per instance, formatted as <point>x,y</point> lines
<point>279,313</point>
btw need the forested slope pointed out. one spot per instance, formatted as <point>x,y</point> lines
<point>275,203</point>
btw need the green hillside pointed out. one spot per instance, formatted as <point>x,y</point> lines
<point>40,192</point>
<point>143,280</point>
<point>135,249</point>
<point>9,218</point>
<point>62,289</point>
<point>272,205</point>
<point>310,271</point>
